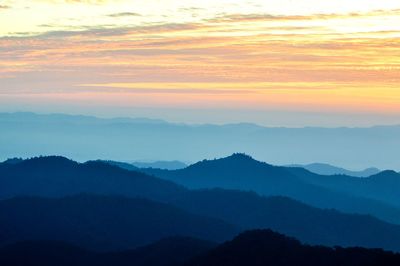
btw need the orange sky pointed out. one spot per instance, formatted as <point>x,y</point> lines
<point>248,56</point>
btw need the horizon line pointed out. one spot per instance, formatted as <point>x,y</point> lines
<point>161,120</point>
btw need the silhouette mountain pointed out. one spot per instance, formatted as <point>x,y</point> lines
<point>327,169</point>
<point>55,176</point>
<point>103,222</point>
<point>265,247</point>
<point>309,224</point>
<point>240,171</point>
<point>383,186</point>
<point>58,177</point>
<point>123,165</point>
<point>166,252</point>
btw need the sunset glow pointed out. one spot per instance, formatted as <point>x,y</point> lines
<point>308,56</point>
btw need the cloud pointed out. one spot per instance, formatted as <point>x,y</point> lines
<point>125,14</point>
<point>223,17</point>
<point>193,9</point>
<point>4,7</point>
<point>107,31</point>
<point>225,50</point>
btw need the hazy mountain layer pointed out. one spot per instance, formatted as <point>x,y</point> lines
<point>123,139</point>
<point>327,169</point>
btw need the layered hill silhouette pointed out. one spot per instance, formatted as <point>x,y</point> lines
<point>383,186</point>
<point>345,193</point>
<point>327,169</point>
<point>264,247</point>
<point>172,251</point>
<point>293,218</point>
<point>58,177</point>
<point>103,222</point>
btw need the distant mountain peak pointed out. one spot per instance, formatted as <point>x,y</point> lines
<point>328,169</point>
<point>47,162</point>
<point>233,161</point>
<point>387,174</point>
<point>49,159</point>
<point>242,159</point>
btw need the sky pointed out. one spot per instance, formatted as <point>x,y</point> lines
<point>275,63</point>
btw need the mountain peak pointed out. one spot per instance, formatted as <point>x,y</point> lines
<point>44,164</point>
<point>233,161</point>
<point>242,159</point>
<point>53,160</point>
<point>240,156</point>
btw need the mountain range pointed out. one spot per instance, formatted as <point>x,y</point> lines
<point>316,168</point>
<point>56,178</point>
<point>377,195</point>
<point>327,169</point>
<point>125,139</point>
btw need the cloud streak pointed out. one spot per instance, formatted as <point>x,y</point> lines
<point>327,16</point>
<point>125,14</point>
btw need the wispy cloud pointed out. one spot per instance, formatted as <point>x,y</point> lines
<point>125,14</point>
<point>278,60</point>
<point>224,17</point>
<point>102,31</point>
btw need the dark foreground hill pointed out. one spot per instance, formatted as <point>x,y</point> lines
<point>166,252</point>
<point>264,247</point>
<point>58,177</point>
<point>252,248</point>
<point>103,222</point>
